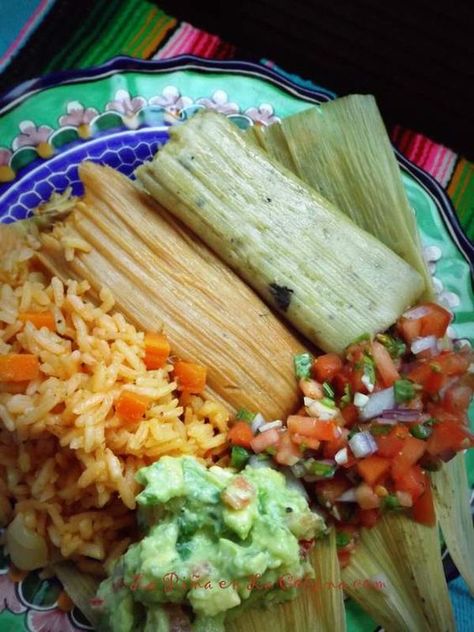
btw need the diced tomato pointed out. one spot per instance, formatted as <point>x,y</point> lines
<point>413,481</point>
<point>311,427</point>
<point>436,322</point>
<point>238,493</point>
<point>288,452</point>
<point>390,445</point>
<point>423,510</point>
<point>328,491</point>
<point>356,382</point>
<point>366,497</point>
<point>326,366</point>
<point>452,363</point>
<point>448,435</point>
<point>409,328</point>
<point>340,380</point>
<point>305,442</point>
<point>440,413</point>
<point>344,558</point>
<point>385,365</point>
<point>241,434</point>
<point>372,468</point>
<point>429,375</point>
<point>264,440</point>
<point>330,448</point>
<point>412,451</point>
<point>457,399</point>
<point>350,414</point>
<point>368,517</point>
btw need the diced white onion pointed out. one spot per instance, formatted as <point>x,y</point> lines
<point>257,422</point>
<point>378,402</point>
<point>271,424</point>
<point>321,412</point>
<point>365,379</point>
<point>423,344</point>
<point>341,457</point>
<point>405,499</point>
<point>362,444</point>
<point>349,496</point>
<point>416,312</point>
<point>360,400</point>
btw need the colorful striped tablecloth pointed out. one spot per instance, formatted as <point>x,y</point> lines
<point>43,36</point>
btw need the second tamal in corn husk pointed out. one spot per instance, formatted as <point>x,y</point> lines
<point>160,274</point>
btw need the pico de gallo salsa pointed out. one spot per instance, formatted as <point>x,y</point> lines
<point>373,424</point>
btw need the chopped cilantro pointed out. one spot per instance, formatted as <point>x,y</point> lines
<point>347,397</point>
<point>362,338</point>
<point>245,415</point>
<point>369,368</point>
<point>317,468</point>
<point>380,429</point>
<point>325,401</point>
<point>420,431</point>
<point>303,363</point>
<point>239,457</point>
<point>328,390</point>
<point>396,347</point>
<point>390,502</point>
<point>342,539</point>
<point>404,391</point>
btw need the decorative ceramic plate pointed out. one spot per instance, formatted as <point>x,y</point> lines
<point>118,114</point>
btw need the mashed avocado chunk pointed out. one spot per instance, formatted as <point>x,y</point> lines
<point>215,541</point>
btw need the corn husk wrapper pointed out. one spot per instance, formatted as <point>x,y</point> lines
<point>452,493</point>
<point>320,606</point>
<point>396,575</point>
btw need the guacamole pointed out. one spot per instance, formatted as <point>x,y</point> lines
<point>216,540</point>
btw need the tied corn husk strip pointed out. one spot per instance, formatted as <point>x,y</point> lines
<point>407,590</point>
<point>320,606</point>
<point>159,273</point>
<point>332,280</point>
<point>343,151</point>
<point>451,490</point>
